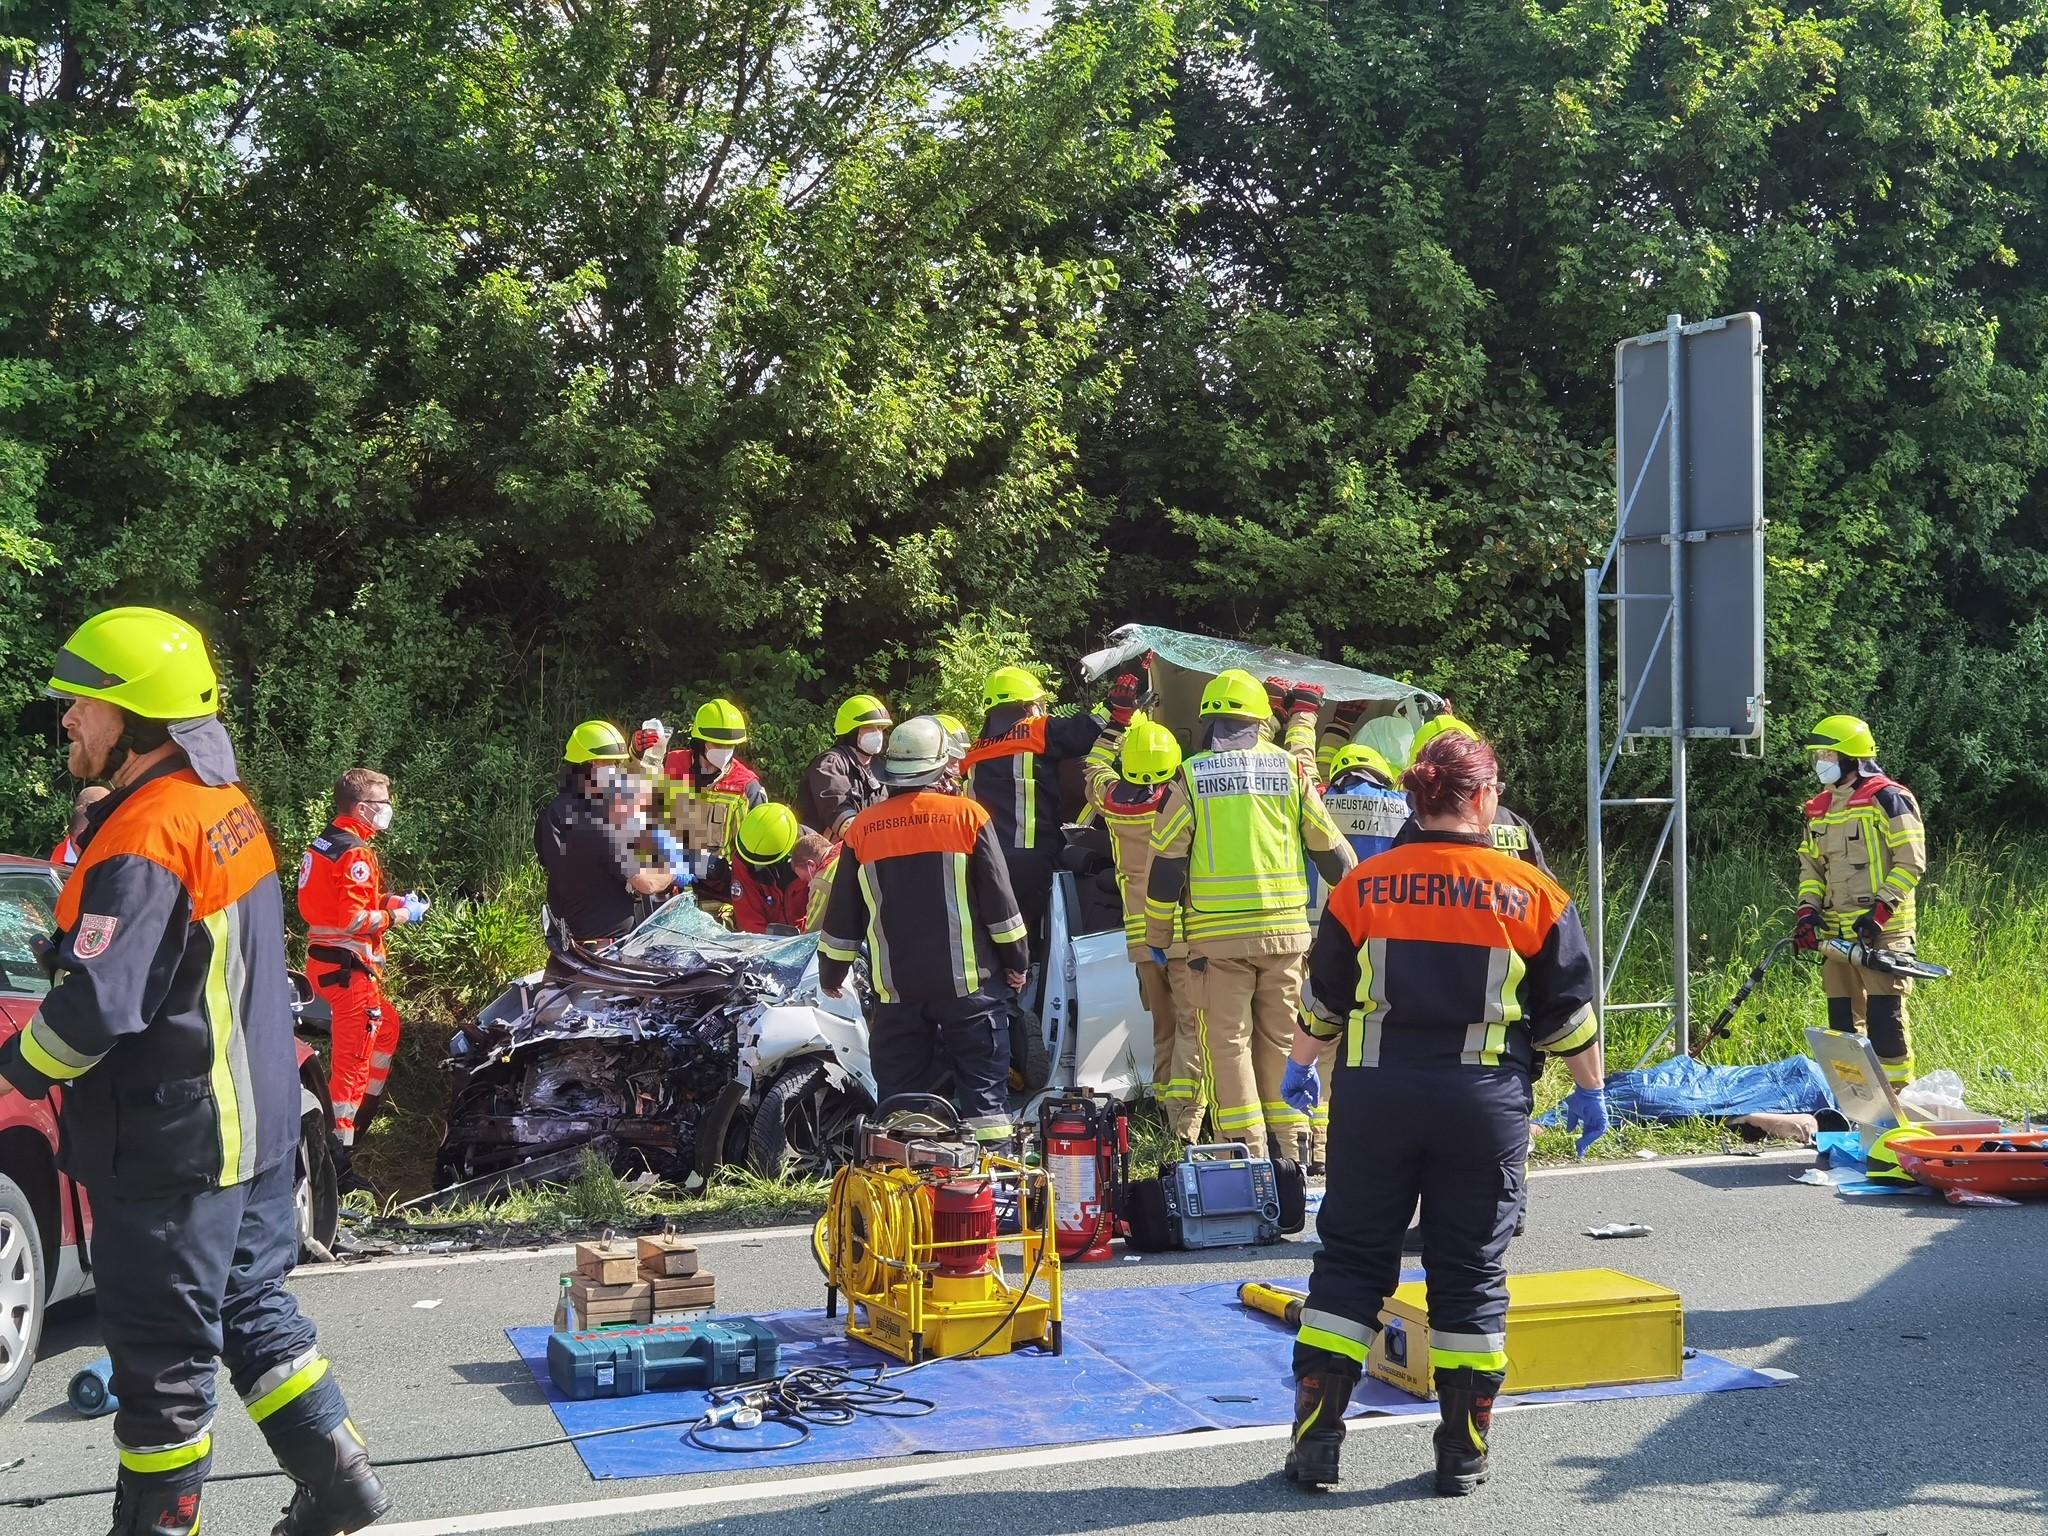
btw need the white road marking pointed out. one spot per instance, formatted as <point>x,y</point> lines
<point>901,1477</point>
<point>503,1255</point>
<point>766,1234</point>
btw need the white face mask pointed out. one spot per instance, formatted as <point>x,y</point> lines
<point>380,817</point>
<point>1827,770</point>
<point>869,742</point>
<point>718,757</point>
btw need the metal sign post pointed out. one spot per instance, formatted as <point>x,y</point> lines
<point>1699,671</point>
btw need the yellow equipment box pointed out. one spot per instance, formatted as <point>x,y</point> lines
<point>1572,1328</point>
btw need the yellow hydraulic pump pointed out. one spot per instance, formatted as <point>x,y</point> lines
<point>910,1237</point>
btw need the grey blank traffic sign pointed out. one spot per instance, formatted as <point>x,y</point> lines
<point>1721,515</point>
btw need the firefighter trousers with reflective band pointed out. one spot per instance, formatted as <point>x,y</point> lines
<point>1876,1004</point>
<point>913,1044</point>
<point>366,1030</point>
<point>1031,876</point>
<point>1169,996</point>
<point>1248,1005</point>
<point>192,1280</point>
<point>1456,1138</point>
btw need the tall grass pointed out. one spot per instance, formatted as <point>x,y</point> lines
<point>1983,913</point>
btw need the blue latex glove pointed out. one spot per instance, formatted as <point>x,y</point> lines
<point>1158,956</point>
<point>415,906</point>
<point>672,853</point>
<point>1585,1111</point>
<point>1301,1087</point>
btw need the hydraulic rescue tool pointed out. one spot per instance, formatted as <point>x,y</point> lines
<point>909,1237</point>
<point>1887,962</point>
<point>1273,1300</point>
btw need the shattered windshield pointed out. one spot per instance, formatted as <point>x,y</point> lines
<point>28,912</point>
<point>682,936</point>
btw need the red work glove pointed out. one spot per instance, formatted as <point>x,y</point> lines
<point>1870,926</point>
<point>1806,929</point>
<point>1124,694</point>
<point>1347,715</point>
<point>1276,695</point>
<point>648,737</point>
<point>1304,698</point>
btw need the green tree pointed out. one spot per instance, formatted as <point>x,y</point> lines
<point>1370,316</point>
<point>469,367</point>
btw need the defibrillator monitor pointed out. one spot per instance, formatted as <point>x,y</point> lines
<point>1221,1196</point>
<point>1225,1189</point>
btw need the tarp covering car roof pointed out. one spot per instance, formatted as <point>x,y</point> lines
<point>1183,663</point>
<point>1208,655</point>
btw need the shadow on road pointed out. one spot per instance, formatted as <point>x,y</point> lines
<point>1923,1390</point>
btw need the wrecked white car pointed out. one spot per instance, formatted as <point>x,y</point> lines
<point>684,1048</point>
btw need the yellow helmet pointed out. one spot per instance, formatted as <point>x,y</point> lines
<point>863,709</point>
<point>1357,755</point>
<point>1435,726</point>
<point>1237,693</point>
<point>595,741</point>
<point>1010,685</point>
<point>1882,1164</point>
<point>768,833</point>
<point>957,739</point>
<point>148,662</point>
<point>1844,734</point>
<point>1151,754</point>
<point>720,724</point>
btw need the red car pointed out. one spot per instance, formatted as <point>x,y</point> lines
<point>45,1222</point>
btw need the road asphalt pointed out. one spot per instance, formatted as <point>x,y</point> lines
<point>1915,1330</point>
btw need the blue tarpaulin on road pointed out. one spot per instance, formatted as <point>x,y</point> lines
<point>1140,1361</point>
<point>1685,1089</point>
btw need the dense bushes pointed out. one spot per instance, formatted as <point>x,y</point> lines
<point>472,366</point>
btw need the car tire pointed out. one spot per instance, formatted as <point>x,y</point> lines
<point>803,1126</point>
<point>24,1290</point>
<point>1030,1059</point>
<point>316,1195</point>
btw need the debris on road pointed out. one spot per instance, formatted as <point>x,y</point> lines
<point>1620,1229</point>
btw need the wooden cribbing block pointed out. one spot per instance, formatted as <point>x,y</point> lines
<point>608,1263</point>
<point>691,1291</point>
<point>589,1292</point>
<point>599,1313</point>
<point>665,1256</point>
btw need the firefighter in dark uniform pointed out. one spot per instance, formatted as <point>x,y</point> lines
<point>169,1028</point>
<point>1511,831</point>
<point>841,782</point>
<point>1014,772</point>
<point>1444,964</point>
<point>921,879</point>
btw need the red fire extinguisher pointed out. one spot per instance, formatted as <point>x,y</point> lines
<point>1086,1142</point>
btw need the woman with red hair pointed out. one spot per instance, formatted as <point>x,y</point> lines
<point>1445,965</point>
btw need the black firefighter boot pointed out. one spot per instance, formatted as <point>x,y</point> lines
<point>1465,1400</point>
<point>158,1503</point>
<point>1322,1391</point>
<point>338,1491</point>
